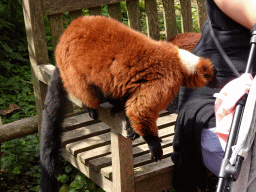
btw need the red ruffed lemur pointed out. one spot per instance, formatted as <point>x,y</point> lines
<point>99,56</point>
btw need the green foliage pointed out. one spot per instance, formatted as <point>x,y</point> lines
<point>15,73</point>
<point>73,180</point>
<point>19,164</point>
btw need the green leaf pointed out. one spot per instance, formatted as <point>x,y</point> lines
<point>37,188</point>
<point>2,101</point>
<point>68,169</point>
<point>16,170</point>
<point>63,178</point>
<point>65,188</point>
<point>6,48</point>
<point>78,183</point>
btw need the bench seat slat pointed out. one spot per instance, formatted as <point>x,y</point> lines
<point>77,121</point>
<point>147,170</point>
<point>139,154</point>
<point>86,156</point>
<point>92,142</point>
<point>84,133</point>
<point>78,145</point>
<point>106,150</point>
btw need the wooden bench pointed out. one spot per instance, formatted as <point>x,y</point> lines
<point>100,149</point>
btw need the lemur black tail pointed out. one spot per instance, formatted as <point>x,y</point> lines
<point>50,141</point>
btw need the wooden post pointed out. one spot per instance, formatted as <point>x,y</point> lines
<point>95,11</point>
<point>75,14</point>
<point>37,47</point>
<point>122,163</point>
<point>169,18</point>
<point>115,11</point>
<point>201,11</point>
<point>134,14</point>
<point>186,16</point>
<point>152,19</point>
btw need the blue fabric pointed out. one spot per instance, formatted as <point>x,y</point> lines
<point>211,150</point>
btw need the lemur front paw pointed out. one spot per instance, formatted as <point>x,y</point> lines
<point>154,144</point>
<point>93,113</point>
<point>133,136</point>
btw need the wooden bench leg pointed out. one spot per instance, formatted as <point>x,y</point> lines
<point>122,163</point>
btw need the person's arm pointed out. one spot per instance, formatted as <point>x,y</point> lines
<point>241,11</point>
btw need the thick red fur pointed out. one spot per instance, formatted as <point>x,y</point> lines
<point>187,40</point>
<point>100,52</point>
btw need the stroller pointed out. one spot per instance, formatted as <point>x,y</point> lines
<point>241,146</point>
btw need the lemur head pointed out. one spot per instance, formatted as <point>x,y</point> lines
<point>199,71</point>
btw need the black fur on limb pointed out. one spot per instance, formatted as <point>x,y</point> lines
<point>50,138</point>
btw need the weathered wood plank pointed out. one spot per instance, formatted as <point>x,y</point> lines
<point>159,182</point>
<point>152,19</point>
<point>145,171</point>
<point>140,162</point>
<point>60,6</point>
<point>141,150</point>
<point>186,16</point>
<point>97,177</point>
<point>86,156</point>
<point>37,47</point>
<point>133,14</point>
<point>117,122</point>
<point>84,133</point>
<point>56,28</point>
<point>34,23</point>
<point>202,15</point>
<point>44,74</point>
<point>75,122</point>
<point>164,131</point>
<point>122,163</point>
<point>169,18</point>
<point>168,132</point>
<point>75,14</point>
<point>115,11</point>
<point>99,163</point>
<point>152,169</point>
<point>95,11</point>
<point>145,159</point>
<point>92,142</point>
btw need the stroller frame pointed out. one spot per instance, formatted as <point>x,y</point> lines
<point>230,172</point>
